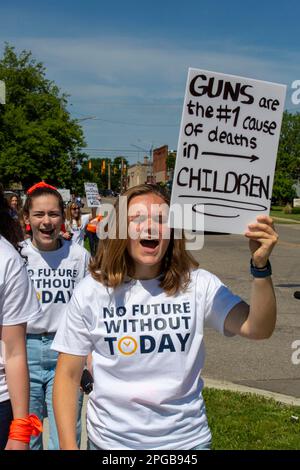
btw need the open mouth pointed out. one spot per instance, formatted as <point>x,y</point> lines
<point>146,243</point>
<point>47,232</point>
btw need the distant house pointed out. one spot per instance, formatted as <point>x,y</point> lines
<point>140,173</point>
<point>297,187</point>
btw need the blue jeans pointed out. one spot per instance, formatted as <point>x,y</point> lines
<point>6,416</point>
<point>206,446</point>
<point>42,363</point>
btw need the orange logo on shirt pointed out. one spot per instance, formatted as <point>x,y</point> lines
<point>127,345</point>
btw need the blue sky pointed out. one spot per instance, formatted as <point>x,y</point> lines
<point>125,62</point>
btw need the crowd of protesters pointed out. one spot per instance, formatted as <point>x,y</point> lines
<point>62,310</point>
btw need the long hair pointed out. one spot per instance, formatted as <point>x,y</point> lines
<point>10,228</point>
<point>69,216</point>
<point>111,264</point>
<point>19,202</point>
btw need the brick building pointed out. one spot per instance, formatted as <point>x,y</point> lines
<point>160,164</point>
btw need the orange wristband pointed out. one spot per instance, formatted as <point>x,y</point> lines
<point>22,429</point>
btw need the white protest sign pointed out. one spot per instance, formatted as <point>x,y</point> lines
<point>2,92</point>
<point>227,151</point>
<point>65,194</point>
<point>296,202</point>
<point>92,194</point>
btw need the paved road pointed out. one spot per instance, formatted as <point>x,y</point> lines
<point>262,364</point>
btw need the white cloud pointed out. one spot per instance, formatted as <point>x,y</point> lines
<point>120,67</point>
<point>126,70</point>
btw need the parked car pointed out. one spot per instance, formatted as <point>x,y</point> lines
<point>108,193</point>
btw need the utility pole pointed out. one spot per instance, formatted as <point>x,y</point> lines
<point>2,92</point>
<point>121,179</point>
<point>108,175</point>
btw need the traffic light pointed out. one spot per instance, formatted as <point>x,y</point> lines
<point>90,164</point>
<point>103,167</point>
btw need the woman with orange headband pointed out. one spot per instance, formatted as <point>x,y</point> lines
<point>18,304</point>
<point>55,266</point>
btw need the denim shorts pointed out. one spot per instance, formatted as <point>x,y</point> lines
<point>42,362</point>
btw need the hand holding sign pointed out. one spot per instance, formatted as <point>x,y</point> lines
<point>262,239</point>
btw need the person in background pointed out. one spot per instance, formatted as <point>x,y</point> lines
<point>75,223</point>
<point>141,313</point>
<point>55,266</point>
<point>15,206</point>
<point>10,226</point>
<point>16,211</point>
<point>18,304</point>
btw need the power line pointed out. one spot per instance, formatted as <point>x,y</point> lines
<point>134,105</point>
<point>134,123</point>
<point>110,150</point>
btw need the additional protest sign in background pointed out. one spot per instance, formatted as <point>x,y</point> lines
<point>2,92</point>
<point>227,150</point>
<point>65,194</point>
<point>296,202</point>
<point>92,194</point>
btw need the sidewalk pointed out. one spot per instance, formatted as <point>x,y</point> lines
<point>223,385</point>
<point>283,219</point>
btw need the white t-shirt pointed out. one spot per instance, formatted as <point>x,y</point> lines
<point>18,301</point>
<point>54,275</point>
<point>148,354</point>
<point>78,232</point>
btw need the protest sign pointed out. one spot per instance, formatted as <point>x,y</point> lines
<point>92,194</point>
<point>65,194</point>
<point>227,151</point>
<point>2,92</point>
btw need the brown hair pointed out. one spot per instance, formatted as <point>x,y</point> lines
<point>9,227</point>
<point>41,192</point>
<point>111,263</point>
<point>19,201</point>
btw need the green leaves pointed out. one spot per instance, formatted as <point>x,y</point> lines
<point>38,138</point>
<point>288,159</point>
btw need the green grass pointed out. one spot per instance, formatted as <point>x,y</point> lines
<point>282,215</point>
<point>87,245</point>
<point>240,421</point>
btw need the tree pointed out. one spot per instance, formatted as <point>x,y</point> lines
<point>288,159</point>
<point>38,138</point>
<point>283,191</point>
<point>95,170</point>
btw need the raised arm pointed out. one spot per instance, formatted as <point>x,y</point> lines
<point>257,321</point>
<point>65,398</point>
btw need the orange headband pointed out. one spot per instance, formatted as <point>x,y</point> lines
<point>40,185</point>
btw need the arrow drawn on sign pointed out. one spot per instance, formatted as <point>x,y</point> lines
<point>252,158</point>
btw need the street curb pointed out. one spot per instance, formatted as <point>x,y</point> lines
<point>283,219</point>
<point>223,385</point>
